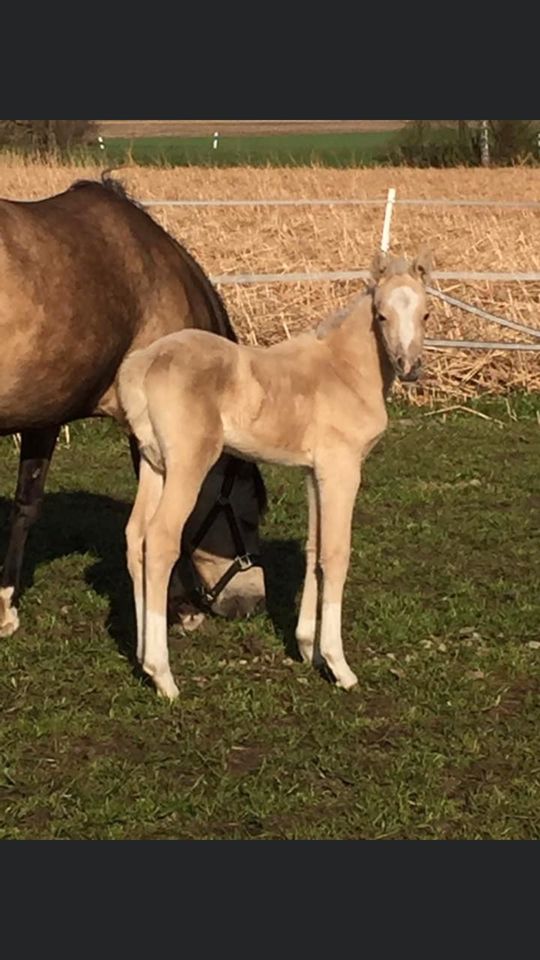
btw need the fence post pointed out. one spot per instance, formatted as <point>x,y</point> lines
<point>385,239</point>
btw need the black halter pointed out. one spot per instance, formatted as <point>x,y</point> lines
<point>206,596</point>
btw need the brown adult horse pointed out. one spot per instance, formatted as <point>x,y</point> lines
<point>85,277</point>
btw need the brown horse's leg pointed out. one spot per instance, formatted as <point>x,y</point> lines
<point>337,483</point>
<point>37,447</point>
<point>135,454</point>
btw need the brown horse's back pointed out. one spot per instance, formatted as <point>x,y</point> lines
<point>84,277</point>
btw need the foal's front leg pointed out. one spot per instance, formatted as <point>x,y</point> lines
<point>337,483</point>
<point>307,619</point>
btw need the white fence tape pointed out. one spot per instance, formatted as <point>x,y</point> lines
<point>346,202</point>
<point>321,275</point>
<point>492,317</point>
<point>479,345</point>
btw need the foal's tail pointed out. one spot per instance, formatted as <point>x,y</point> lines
<point>133,397</point>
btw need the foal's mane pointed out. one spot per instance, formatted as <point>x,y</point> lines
<point>336,319</point>
<point>393,267</point>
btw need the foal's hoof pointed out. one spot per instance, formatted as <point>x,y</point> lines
<point>167,689</point>
<point>306,651</point>
<point>346,680</point>
<point>9,618</point>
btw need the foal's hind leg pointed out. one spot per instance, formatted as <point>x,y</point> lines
<point>338,483</point>
<point>307,618</point>
<point>148,495</point>
<point>37,447</point>
<point>162,549</point>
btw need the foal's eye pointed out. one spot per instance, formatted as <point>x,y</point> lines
<point>382,317</point>
<point>426,317</point>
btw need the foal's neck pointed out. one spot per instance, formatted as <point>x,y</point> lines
<point>358,351</point>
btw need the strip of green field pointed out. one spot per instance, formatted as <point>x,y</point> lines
<point>331,150</point>
<point>441,739</point>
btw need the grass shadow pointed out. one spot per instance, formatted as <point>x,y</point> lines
<point>88,523</point>
<point>284,568</point>
<point>84,523</point>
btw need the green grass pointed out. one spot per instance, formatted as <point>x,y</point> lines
<point>442,737</point>
<point>331,150</point>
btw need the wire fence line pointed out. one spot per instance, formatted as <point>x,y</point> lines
<point>322,275</point>
<point>479,345</point>
<point>479,312</point>
<point>351,275</point>
<point>329,202</point>
<point>346,202</point>
<point>240,279</point>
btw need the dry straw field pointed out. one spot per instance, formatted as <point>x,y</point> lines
<point>305,239</point>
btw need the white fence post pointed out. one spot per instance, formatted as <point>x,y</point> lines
<point>385,239</point>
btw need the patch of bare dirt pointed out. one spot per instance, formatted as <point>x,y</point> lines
<point>245,759</point>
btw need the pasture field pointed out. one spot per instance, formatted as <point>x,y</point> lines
<point>441,617</point>
<point>276,150</point>
<point>441,623</point>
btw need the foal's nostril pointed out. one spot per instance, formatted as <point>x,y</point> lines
<point>413,373</point>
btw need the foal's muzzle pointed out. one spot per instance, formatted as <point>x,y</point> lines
<point>406,372</point>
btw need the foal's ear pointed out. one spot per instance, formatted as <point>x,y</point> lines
<point>379,265</point>
<point>422,265</point>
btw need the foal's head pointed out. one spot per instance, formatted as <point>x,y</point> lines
<point>399,300</point>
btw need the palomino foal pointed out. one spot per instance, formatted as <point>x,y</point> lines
<point>316,401</point>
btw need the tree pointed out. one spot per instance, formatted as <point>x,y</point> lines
<point>512,139</point>
<point>447,143</point>
<point>47,136</point>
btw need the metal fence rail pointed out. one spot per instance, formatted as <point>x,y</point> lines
<point>241,279</point>
<point>332,202</point>
<point>479,345</point>
<point>349,275</point>
<point>346,202</point>
<point>321,275</point>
